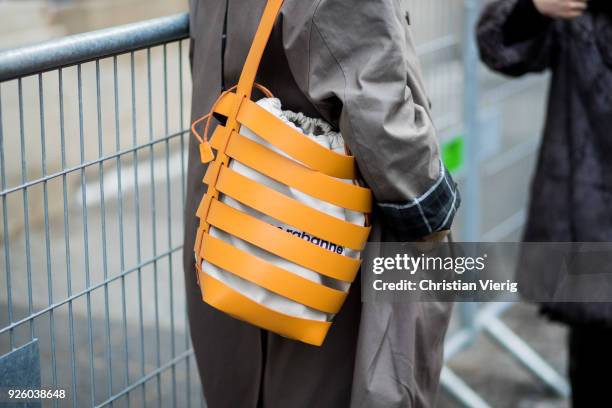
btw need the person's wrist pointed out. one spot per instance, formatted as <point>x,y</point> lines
<point>538,14</point>
<point>534,6</point>
<point>560,9</point>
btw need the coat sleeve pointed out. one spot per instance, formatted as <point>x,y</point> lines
<point>363,75</point>
<point>508,46</point>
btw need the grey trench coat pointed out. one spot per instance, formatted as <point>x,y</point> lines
<point>353,64</point>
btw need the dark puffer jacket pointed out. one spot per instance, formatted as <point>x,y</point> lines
<point>571,194</point>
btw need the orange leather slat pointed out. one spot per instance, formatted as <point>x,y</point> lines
<point>203,207</point>
<point>226,299</point>
<point>293,174</point>
<point>226,104</point>
<point>292,212</point>
<point>271,277</point>
<point>294,143</point>
<point>281,243</point>
<point>251,65</point>
<point>287,139</point>
<point>212,174</point>
<point>198,240</point>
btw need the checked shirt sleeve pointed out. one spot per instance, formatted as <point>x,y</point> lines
<point>431,212</point>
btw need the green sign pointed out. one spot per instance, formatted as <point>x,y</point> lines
<point>452,153</point>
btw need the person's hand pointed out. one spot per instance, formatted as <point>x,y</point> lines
<point>565,9</point>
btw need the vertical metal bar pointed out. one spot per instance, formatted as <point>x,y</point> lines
<point>120,215</point>
<point>472,131</point>
<point>5,221</point>
<point>43,161</point>
<point>183,187</point>
<point>26,211</point>
<point>182,124</point>
<point>154,223</point>
<point>471,205</point>
<point>169,224</point>
<point>67,238</point>
<point>109,370</point>
<point>138,245</point>
<point>470,120</point>
<point>86,237</point>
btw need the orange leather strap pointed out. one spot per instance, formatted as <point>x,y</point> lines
<point>251,65</point>
<point>225,104</point>
<point>289,211</point>
<point>281,243</point>
<point>271,277</point>
<point>224,298</point>
<point>245,86</point>
<point>292,174</point>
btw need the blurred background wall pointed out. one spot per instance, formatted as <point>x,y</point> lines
<point>29,21</point>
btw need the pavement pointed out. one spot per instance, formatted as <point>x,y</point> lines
<point>486,368</point>
<point>498,378</point>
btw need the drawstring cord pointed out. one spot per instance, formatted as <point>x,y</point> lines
<point>208,116</point>
<point>206,153</point>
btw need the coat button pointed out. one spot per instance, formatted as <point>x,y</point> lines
<point>408,17</point>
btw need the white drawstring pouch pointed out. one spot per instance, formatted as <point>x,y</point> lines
<point>321,132</point>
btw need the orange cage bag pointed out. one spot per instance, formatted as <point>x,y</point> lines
<point>284,219</point>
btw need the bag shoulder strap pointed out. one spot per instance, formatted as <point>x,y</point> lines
<point>251,65</point>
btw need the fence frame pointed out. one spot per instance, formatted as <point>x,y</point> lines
<point>74,51</point>
<point>86,47</point>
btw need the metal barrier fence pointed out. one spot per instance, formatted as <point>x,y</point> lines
<point>92,186</point>
<point>498,159</point>
<point>92,181</point>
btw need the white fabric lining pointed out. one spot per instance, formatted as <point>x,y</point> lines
<point>322,133</point>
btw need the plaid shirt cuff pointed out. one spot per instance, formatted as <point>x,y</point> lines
<point>433,211</point>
